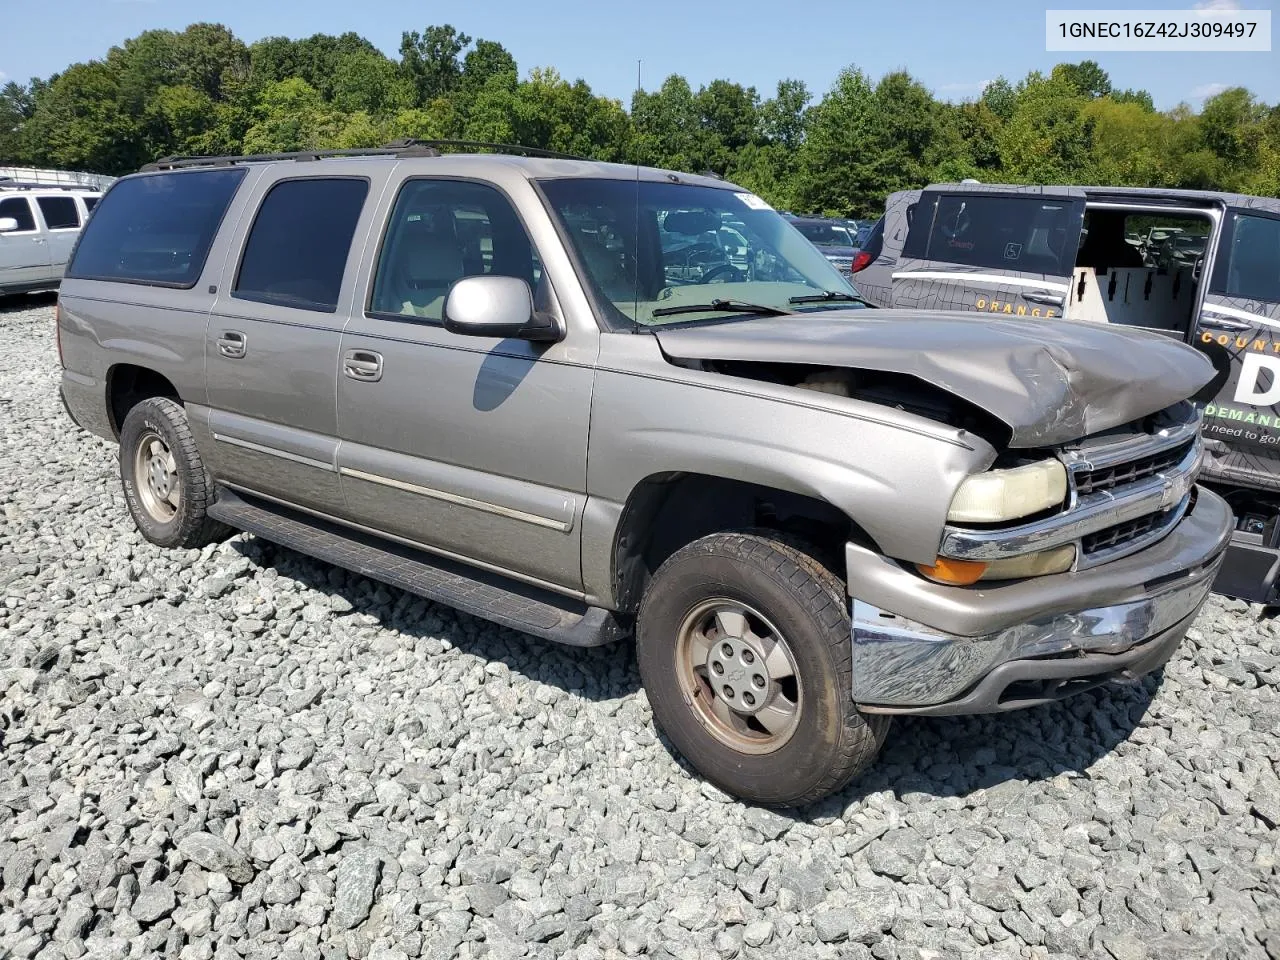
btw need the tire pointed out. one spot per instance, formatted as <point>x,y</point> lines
<point>169,510</point>
<point>798,756</point>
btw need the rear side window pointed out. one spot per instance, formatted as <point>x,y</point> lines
<point>1248,265</point>
<point>59,213</point>
<point>155,229</point>
<point>297,251</point>
<point>18,208</point>
<point>1028,234</point>
<point>90,202</point>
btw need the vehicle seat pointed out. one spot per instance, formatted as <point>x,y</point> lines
<point>1105,246</point>
<point>429,262</point>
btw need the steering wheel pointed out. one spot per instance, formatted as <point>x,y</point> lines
<point>734,275</point>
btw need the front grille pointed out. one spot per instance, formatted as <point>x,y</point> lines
<point>1122,533</point>
<point>1107,478</point>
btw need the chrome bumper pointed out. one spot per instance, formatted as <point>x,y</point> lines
<point>901,665</point>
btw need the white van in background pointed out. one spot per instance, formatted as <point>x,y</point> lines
<point>38,227</point>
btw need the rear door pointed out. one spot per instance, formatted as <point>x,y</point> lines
<point>1240,329</point>
<point>24,252</point>
<point>271,346</point>
<point>1008,251</point>
<point>61,216</point>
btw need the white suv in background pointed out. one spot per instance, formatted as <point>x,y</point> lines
<point>38,227</point>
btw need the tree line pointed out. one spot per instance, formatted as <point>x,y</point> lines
<point>203,91</point>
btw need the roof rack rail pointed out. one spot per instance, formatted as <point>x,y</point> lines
<point>8,183</point>
<point>178,162</point>
<point>406,147</point>
<point>410,143</point>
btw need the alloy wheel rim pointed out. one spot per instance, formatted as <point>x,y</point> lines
<point>738,673</point>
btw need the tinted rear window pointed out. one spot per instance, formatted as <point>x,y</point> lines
<point>297,250</point>
<point>90,202</point>
<point>59,213</point>
<point>1027,234</point>
<point>155,229</point>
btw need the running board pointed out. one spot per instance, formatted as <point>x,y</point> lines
<point>477,592</point>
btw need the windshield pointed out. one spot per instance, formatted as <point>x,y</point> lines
<point>681,246</point>
<point>826,234</point>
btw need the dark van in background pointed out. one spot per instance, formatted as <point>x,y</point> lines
<point>1197,266</point>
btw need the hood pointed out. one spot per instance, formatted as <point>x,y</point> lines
<point>832,250</point>
<point>1051,381</point>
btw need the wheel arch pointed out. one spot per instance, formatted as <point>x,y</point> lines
<point>666,511</point>
<point>127,385</point>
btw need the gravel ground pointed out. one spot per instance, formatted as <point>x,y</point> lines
<point>241,752</point>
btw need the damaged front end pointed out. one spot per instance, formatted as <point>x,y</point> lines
<point>1083,551</point>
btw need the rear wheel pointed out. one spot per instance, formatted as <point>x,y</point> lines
<point>744,648</point>
<point>165,482</point>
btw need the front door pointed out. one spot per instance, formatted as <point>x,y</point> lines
<point>271,347</point>
<point>1240,329</point>
<point>24,252</point>
<point>1003,251</point>
<point>470,446</point>
<point>61,216</point>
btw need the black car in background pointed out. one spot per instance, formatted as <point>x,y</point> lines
<point>835,238</point>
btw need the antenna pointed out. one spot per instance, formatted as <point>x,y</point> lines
<point>635,253</point>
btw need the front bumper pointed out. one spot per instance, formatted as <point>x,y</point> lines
<point>985,649</point>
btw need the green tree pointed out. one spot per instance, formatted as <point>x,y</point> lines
<point>369,82</point>
<point>17,104</point>
<point>666,126</point>
<point>1087,78</point>
<point>178,120</point>
<point>1000,98</point>
<point>431,60</point>
<point>486,64</point>
<point>1232,125</point>
<point>290,115</point>
<point>78,124</point>
<point>1047,139</point>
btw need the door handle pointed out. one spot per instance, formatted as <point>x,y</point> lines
<point>362,365</point>
<point>1222,323</point>
<point>1049,299</point>
<point>233,344</point>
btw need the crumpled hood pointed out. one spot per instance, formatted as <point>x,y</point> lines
<point>1051,381</point>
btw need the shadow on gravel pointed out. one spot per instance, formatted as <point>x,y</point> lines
<point>956,756</point>
<point>923,756</point>
<point>26,301</point>
<point>597,673</point>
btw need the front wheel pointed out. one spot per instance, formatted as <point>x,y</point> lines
<point>744,649</point>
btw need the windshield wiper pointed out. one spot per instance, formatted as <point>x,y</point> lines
<point>828,296</point>
<point>730,306</point>
<point>726,306</point>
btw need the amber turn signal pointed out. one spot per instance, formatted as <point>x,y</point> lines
<point>958,572</point>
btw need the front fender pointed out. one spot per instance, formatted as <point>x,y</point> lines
<point>892,473</point>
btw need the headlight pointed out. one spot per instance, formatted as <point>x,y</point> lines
<point>964,572</point>
<point>1008,494</point>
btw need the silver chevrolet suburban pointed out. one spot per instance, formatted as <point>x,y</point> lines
<point>479,378</point>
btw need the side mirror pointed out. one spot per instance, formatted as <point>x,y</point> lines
<point>493,306</point>
<point>8,224</point>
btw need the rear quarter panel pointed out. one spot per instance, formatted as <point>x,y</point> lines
<point>103,324</point>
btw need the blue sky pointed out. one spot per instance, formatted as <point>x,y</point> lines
<point>750,41</point>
